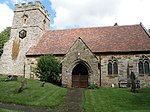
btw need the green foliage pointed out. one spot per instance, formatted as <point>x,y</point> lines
<point>4,37</point>
<point>92,86</point>
<point>116,100</point>
<point>35,95</point>
<point>48,69</point>
<point>6,110</point>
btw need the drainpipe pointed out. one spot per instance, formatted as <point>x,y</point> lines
<point>99,65</point>
<point>24,70</point>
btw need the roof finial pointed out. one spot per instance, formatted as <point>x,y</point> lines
<point>116,24</point>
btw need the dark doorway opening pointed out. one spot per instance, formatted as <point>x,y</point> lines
<point>80,76</point>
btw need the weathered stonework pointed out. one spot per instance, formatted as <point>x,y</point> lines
<point>80,53</point>
<point>35,23</point>
<point>32,20</point>
<point>30,66</point>
<point>123,62</point>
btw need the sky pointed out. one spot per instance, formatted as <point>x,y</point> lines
<point>67,14</point>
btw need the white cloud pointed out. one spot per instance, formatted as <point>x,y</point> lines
<point>86,13</point>
<point>20,1</point>
<point>6,16</point>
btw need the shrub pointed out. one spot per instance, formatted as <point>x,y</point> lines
<point>48,69</point>
<point>92,86</point>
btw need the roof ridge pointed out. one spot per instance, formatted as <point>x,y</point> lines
<point>125,38</point>
<point>143,27</point>
<point>94,27</point>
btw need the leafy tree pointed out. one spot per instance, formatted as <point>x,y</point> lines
<point>4,37</point>
<point>48,69</point>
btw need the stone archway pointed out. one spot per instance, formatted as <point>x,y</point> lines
<point>80,56</point>
<point>80,76</point>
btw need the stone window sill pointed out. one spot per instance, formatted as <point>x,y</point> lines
<point>141,74</point>
<point>144,74</point>
<point>112,75</point>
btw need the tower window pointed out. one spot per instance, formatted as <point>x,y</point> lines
<point>25,17</point>
<point>44,22</point>
<point>25,20</point>
<point>112,66</point>
<point>144,65</point>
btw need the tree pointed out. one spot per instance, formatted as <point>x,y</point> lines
<point>48,69</point>
<point>4,37</point>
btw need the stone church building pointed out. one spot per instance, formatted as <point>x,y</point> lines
<point>97,55</point>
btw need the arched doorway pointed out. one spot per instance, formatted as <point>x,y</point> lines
<point>80,76</point>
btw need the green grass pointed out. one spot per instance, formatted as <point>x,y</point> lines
<point>117,100</point>
<point>35,95</point>
<point>6,110</point>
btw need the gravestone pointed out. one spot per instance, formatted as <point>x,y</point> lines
<point>43,83</point>
<point>12,78</point>
<point>133,82</point>
<point>23,86</point>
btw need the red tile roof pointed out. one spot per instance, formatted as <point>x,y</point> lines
<point>126,38</point>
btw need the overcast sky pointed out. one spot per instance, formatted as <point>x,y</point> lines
<point>85,13</point>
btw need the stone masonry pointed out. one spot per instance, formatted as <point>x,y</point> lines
<point>124,60</point>
<point>80,53</point>
<point>34,19</point>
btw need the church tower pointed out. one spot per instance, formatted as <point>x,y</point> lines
<point>29,23</point>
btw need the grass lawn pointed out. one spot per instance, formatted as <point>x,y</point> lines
<point>117,100</point>
<point>35,95</point>
<point>6,110</point>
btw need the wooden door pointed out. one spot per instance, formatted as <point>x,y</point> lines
<point>79,81</point>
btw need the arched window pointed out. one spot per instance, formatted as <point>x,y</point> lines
<point>44,22</point>
<point>144,65</point>
<point>24,18</point>
<point>109,68</point>
<point>112,66</point>
<point>115,68</point>
<point>141,69</point>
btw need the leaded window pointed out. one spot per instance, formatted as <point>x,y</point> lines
<point>144,65</point>
<point>115,67</point>
<point>112,66</point>
<point>141,69</point>
<point>109,68</point>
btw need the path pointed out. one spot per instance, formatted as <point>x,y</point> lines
<point>22,108</point>
<point>72,102</point>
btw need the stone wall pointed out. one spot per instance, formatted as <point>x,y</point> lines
<point>80,53</point>
<point>34,26</point>
<point>36,14</point>
<point>31,64</point>
<point>123,62</point>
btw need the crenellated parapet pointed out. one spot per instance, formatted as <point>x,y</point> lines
<point>31,6</point>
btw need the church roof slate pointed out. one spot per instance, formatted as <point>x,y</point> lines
<point>127,38</point>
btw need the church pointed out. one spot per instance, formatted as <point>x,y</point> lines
<point>96,55</point>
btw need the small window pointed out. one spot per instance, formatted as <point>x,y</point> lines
<point>144,65</point>
<point>25,17</point>
<point>112,66</point>
<point>141,69</point>
<point>115,68</point>
<point>109,68</point>
<point>44,22</point>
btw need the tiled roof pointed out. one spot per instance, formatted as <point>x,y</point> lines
<point>126,38</point>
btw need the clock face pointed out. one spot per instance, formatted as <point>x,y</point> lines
<point>22,34</point>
